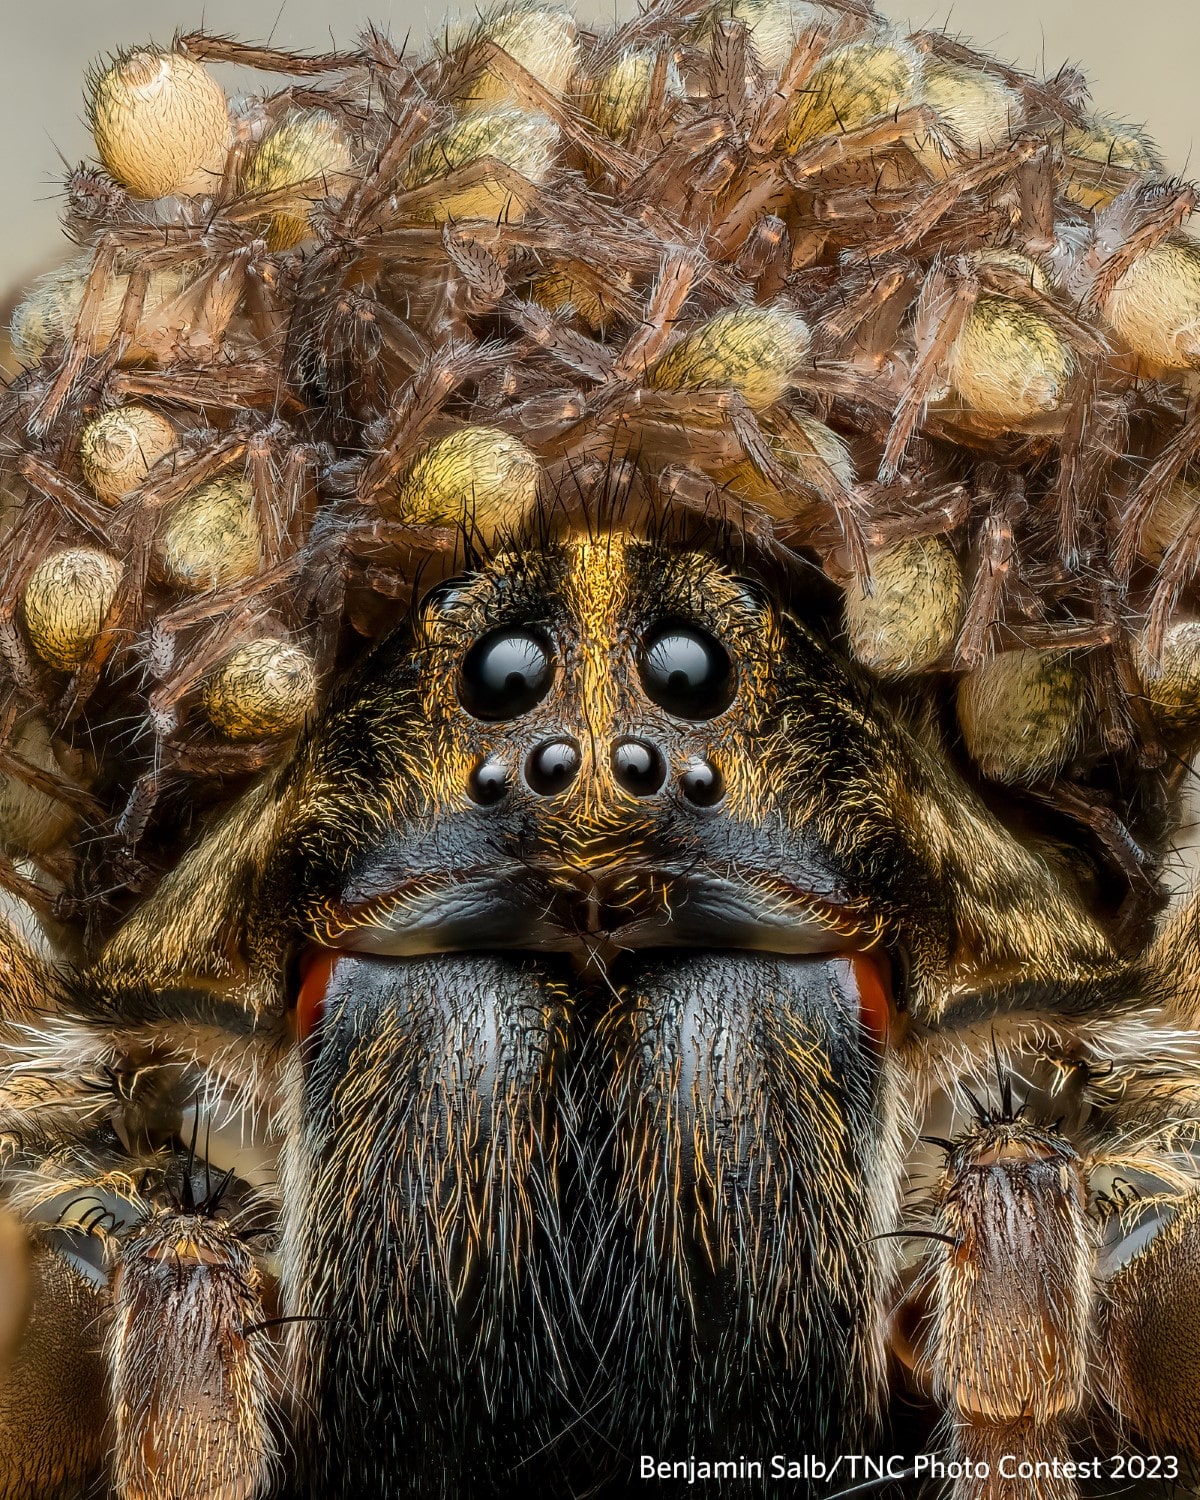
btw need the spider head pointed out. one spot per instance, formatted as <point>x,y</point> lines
<point>599,746</point>
<point>594,748</point>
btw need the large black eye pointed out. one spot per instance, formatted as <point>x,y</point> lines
<point>687,671</point>
<point>505,673</point>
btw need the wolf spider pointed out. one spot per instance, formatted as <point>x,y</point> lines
<point>619,1025</point>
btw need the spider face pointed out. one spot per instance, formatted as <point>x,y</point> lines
<point>592,739</point>
<point>575,905</point>
<point>584,901</point>
<point>603,747</point>
<point>600,957</point>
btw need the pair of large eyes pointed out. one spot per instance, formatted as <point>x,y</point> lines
<point>684,669</point>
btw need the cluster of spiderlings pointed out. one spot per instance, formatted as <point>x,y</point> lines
<point>876,300</point>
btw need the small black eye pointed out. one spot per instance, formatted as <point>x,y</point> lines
<point>488,782</point>
<point>702,782</point>
<point>687,671</point>
<point>505,674</point>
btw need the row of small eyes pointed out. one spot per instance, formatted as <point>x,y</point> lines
<point>683,669</point>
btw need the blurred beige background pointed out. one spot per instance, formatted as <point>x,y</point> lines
<point>1142,57</point>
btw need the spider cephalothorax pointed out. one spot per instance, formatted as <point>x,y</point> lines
<point>580,953</point>
<point>591,851</point>
<point>673,846</point>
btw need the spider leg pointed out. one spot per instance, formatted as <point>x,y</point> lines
<point>180,1393</point>
<point>1149,1321</point>
<point>1011,1299</point>
<point>191,1368</point>
<point>53,1402</point>
<point>942,309</point>
<point>157,1366</point>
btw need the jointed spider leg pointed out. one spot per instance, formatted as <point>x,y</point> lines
<point>1012,1301</point>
